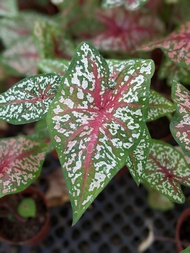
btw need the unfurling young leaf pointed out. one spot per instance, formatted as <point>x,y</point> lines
<point>128,4</point>
<point>21,160</point>
<point>27,208</point>
<point>95,120</point>
<point>180,124</point>
<point>166,170</point>
<point>29,100</point>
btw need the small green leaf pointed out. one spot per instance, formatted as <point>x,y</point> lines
<point>180,123</point>
<point>166,170</point>
<point>27,208</point>
<point>171,71</point>
<point>159,106</point>
<point>29,100</point>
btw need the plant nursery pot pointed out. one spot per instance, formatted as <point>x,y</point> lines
<point>183,230</point>
<point>33,230</point>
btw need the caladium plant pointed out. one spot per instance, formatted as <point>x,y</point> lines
<point>92,109</point>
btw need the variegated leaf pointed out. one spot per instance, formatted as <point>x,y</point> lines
<point>21,160</point>
<point>128,4</point>
<point>58,66</point>
<point>29,100</point>
<point>125,30</point>
<point>176,46</point>
<point>166,170</point>
<point>137,158</point>
<point>171,71</point>
<point>8,8</point>
<point>19,27</point>
<point>180,124</point>
<point>21,57</point>
<point>159,106</point>
<point>93,123</point>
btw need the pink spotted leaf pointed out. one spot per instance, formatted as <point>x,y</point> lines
<point>95,120</point>
<point>21,161</point>
<point>8,8</point>
<point>166,170</point>
<point>125,30</point>
<point>58,66</point>
<point>137,158</point>
<point>159,106</point>
<point>176,46</point>
<point>180,124</point>
<point>128,4</point>
<point>29,100</point>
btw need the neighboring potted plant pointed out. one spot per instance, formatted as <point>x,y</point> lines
<point>93,105</point>
<point>24,217</point>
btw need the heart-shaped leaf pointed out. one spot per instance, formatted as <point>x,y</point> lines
<point>180,124</point>
<point>8,8</point>
<point>126,30</point>
<point>129,4</point>
<point>166,170</point>
<point>171,71</point>
<point>21,161</point>
<point>29,100</point>
<point>21,57</point>
<point>176,46</point>
<point>137,158</point>
<point>96,120</point>
<point>159,106</point>
<point>58,66</point>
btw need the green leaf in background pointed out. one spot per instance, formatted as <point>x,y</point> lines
<point>159,106</point>
<point>166,170</point>
<point>21,160</point>
<point>128,4</point>
<point>180,123</point>
<point>58,66</point>
<point>29,100</point>
<point>187,250</point>
<point>171,71</point>
<point>95,120</point>
<point>8,8</point>
<point>27,208</point>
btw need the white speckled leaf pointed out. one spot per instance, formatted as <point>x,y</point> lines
<point>21,160</point>
<point>29,100</point>
<point>176,45</point>
<point>57,66</point>
<point>137,158</point>
<point>159,106</point>
<point>8,8</point>
<point>170,71</point>
<point>180,123</point>
<point>166,170</point>
<point>129,4</point>
<point>95,120</point>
